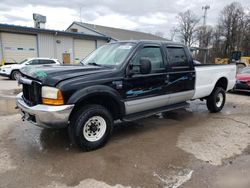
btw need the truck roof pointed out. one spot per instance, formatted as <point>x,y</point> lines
<point>151,41</point>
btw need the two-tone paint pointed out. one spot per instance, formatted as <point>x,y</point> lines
<point>138,92</point>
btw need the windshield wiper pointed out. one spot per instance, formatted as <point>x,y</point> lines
<point>95,64</point>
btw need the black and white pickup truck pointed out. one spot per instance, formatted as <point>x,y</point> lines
<point>119,81</point>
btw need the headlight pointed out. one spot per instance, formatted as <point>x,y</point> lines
<point>52,96</point>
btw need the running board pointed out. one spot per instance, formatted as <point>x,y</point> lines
<point>147,113</point>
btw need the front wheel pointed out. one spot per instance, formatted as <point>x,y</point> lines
<point>15,75</point>
<point>216,100</point>
<point>91,127</point>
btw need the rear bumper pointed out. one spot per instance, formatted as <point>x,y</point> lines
<point>44,115</point>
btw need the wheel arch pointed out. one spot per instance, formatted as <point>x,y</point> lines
<point>222,82</point>
<point>11,72</point>
<point>14,70</point>
<point>101,95</point>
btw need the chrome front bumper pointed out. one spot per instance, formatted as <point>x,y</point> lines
<point>44,115</point>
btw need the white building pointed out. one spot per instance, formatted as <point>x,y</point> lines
<point>114,33</point>
<point>70,46</point>
<point>19,42</point>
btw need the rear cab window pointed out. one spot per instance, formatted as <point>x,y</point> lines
<point>177,58</point>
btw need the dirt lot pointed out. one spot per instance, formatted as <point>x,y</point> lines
<point>188,148</point>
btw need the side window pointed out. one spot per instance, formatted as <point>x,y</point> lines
<point>153,54</point>
<point>45,61</point>
<point>177,57</point>
<point>34,62</point>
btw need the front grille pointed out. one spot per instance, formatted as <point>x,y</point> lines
<point>32,93</point>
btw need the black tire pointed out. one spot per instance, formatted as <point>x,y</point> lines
<point>79,126</point>
<point>216,100</point>
<point>15,75</point>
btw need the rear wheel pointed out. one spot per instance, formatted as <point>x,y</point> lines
<point>216,100</point>
<point>15,75</point>
<point>91,127</point>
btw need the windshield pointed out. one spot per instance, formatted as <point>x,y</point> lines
<point>23,61</point>
<point>245,71</point>
<point>109,55</point>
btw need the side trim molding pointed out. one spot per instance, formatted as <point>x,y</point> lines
<point>141,105</point>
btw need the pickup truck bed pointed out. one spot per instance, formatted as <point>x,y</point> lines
<point>208,74</point>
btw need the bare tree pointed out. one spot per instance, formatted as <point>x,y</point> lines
<point>187,22</point>
<point>217,41</point>
<point>173,32</point>
<point>246,33</point>
<point>232,23</point>
<point>204,35</point>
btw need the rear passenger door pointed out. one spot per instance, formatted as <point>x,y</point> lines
<point>181,74</point>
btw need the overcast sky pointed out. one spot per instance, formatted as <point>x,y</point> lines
<point>143,15</point>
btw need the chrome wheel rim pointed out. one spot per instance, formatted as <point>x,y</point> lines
<point>219,100</point>
<point>94,128</point>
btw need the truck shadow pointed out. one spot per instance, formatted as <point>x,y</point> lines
<point>245,93</point>
<point>59,140</point>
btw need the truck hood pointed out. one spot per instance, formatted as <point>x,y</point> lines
<point>52,75</point>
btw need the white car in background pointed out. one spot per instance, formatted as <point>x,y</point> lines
<point>13,70</point>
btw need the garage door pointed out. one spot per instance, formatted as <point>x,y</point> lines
<point>82,48</point>
<point>17,47</point>
<point>100,43</point>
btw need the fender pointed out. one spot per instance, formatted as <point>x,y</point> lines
<point>97,90</point>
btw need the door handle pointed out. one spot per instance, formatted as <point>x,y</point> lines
<point>191,75</point>
<point>167,79</point>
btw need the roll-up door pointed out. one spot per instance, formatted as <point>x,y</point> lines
<point>17,47</point>
<point>82,48</point>
<point>101,42</point>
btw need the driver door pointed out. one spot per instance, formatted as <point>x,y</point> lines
<point>146,91</point>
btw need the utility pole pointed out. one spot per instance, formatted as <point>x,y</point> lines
<point>205,8</point>
<point>204,45</point>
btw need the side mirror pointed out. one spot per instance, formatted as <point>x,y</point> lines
<point>145,66</point>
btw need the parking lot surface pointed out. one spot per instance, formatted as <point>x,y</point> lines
<point>185,148</point>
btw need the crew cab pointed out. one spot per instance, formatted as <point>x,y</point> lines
<point>124,81</point>
<point>13,70</point>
